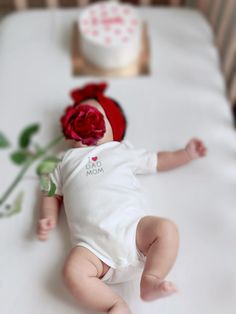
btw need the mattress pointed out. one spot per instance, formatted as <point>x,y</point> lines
<point>183,97</point>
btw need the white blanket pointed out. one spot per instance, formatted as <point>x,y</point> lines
<point>183,97</point>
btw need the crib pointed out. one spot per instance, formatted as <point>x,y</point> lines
<point>219,13</point>
<point>174,103</point>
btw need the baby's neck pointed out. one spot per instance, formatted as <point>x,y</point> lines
<point>76,144</point>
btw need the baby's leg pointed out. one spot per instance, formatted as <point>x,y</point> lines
<point>81,273</point>
<point>157,238</point>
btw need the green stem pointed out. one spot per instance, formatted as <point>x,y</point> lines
<point>15,182</point>
<point>26,166</point>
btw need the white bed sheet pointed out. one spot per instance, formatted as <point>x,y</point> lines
<point>183,97</point>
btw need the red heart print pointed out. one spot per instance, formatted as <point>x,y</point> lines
<point>94,158</point>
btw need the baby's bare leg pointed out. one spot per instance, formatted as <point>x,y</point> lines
<point>81,273</point>
<point>157,238</point>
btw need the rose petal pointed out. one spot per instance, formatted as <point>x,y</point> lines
<point>83,123</point>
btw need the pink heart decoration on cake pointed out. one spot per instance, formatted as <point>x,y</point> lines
<point>94,158</point>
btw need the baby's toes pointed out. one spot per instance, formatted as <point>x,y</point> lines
<point>168,287</point>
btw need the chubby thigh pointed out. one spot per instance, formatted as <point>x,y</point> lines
<point>81,273</point>
<point>83,261</point>
<point>151,228</point>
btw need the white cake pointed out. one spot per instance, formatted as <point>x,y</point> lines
<point>110,34</point>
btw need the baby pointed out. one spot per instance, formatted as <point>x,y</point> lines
<point>113,237</point>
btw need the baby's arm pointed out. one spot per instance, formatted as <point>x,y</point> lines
<point>48,215</point>
<point>169,160</point>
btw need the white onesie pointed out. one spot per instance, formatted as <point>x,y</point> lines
<point>103,199</point>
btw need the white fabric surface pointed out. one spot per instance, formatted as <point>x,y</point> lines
<point>183,97</point>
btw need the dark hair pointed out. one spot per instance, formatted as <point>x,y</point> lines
<point>123,114</point>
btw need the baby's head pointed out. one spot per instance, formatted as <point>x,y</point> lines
<point>94,118</point>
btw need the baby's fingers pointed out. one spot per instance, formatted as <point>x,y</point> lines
<point>202,151</point>
<point>46,224</point>
<point>42,235</point>
<point>200,147</point>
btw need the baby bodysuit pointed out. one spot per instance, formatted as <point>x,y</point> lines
<point>103,199</point>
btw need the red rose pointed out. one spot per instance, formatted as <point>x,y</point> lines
<point>83,123</point>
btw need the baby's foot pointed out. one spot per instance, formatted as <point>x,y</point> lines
<point>154,288</point>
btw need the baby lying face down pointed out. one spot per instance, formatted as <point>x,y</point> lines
<point>112,234</point>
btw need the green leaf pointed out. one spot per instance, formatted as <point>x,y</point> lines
<point>47,185</point>
<point>15,208</point>
<point>44,182</point>
<point>26,134</point>
<point>47,165</point>
<point>19,157</point>
<point>3,141</point>
<point>52,190</point>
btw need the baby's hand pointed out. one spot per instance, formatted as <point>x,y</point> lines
<point>44,226</point>
<point>195,149</point>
